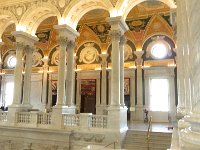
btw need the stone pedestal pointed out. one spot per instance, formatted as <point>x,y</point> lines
<point>117,118</point>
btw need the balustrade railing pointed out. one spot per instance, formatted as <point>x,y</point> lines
<point>97,121</point>
<point>24,117</point>
<point>71,120</point>
<point>44,118</point>
<point>3,116</point>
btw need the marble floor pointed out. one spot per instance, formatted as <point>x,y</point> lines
<point>156,127</point>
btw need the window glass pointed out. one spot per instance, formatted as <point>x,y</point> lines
<point>159,95</point>
<point>159,50</point>
<point>9,89</point>
<point>12,61</point>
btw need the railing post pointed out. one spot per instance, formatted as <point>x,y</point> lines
<point>84,120</point>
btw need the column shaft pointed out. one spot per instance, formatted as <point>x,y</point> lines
<point>70,74</point>
<point>61,72</point>
<point>18,74</point>
<point>103,79</point>
<point>115,72</point>
<point>121,45</point>
<point>27,76</point>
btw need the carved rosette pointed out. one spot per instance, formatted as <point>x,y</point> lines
<point>89,54</point>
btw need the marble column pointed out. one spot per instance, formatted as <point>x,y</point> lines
<point>66,37</point>
<point>70,74</point>
<point>62,40</point>
<point>103,82</point>
<point>23,40</point>
<point>1,81</point>
<point>27,77</point>
<point>44,83</point>
<point>121,46</point>
<point>117,115</point>
<point>132,95</point>
<point>139,106</point>
<point>17,95</point>
<point>49,105</point>
<point>115,72</point>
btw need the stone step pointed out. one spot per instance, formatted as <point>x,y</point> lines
<point>136,140</point>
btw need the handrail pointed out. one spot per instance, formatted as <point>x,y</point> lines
<point>148,131</point>
<point>149,127</point>
<point>111,144</point>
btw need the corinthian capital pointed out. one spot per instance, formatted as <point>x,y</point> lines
<point>139,59</point>
<point>122,40</point>
<point>19,45</point>
<point>29,48</point>
<point>70,45</point>
<point>62,41</point>
<point>115,34</point>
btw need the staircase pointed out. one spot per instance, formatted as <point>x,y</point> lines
<point>137,140</point>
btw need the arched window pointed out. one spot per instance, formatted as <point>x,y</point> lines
<point>11,62</point>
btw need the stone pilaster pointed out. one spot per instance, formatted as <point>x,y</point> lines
<point>27,77</point>
<point>44,83</point>
<point>139,106</point>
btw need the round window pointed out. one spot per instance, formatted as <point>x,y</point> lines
<point>159,50</point>
<point>12,61</point>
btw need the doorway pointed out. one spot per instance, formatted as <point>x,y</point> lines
<point>88,96</point>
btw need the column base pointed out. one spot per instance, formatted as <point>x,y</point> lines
<point>12,109</point>
<point>117,118</point>
<point>180,113</point>
<point>101,110</point>
<point>139,113</point>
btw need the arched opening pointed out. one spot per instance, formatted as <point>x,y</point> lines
<point>146,20</point>
<point>35,15</point>
<point>72,15</point>
<point>93,34</point>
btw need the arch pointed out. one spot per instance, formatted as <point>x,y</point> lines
<point>151,40</point>
<point>77,9</point>
<point>126,8</point>
<point>6,18</point>
<point>157,34</point>
<point>35,15</point>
